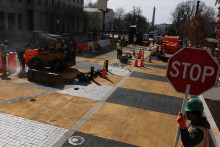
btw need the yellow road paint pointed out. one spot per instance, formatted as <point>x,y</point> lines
<point>55,109</point>
<point>132,126</point>
<point>152,70</point>
<point>152,86</point>
<point>10,92</point>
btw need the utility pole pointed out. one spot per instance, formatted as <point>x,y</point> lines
<point>197,7</point>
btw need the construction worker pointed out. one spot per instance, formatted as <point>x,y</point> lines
<point>119,49</point>
<point>3,54</point>
<point>126,40</point>
<point>134,40</point>
<point>196,133</point>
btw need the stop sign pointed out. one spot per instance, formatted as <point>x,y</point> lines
<point>195,67</point>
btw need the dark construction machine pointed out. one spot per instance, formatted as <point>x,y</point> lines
<point>53,57</point>
<point>171,44</point>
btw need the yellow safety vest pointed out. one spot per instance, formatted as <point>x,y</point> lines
<point>126,38</point>
<point>205,141</point>
<point>3,50</point>
<point>118,46</point>
<point>135,39</point>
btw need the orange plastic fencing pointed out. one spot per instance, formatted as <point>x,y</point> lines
<point>85,46</point>
<point>95,43</point>
<point>12,63</point>
<point>0,64</point>
<point>111,41</point>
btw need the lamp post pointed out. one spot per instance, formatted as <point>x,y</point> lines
<point>103,20</point>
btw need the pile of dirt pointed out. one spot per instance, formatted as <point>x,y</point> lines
<point>215,110</point>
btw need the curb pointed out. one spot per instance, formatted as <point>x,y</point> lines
<point>214,131</point>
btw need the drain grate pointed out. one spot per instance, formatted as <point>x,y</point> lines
<point>77,88</point>
<point>76,140</point>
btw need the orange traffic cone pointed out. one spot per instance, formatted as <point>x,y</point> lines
<point>104,71</point>
<point>134,51</point>
<point>142,62</point>
<point>150,58</point>
<point>136,62</point>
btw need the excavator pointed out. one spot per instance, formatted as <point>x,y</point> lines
<point>52,58</point>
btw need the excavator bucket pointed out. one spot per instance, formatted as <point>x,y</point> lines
<point>46,78</point>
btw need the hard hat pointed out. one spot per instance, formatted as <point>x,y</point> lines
<point>194,104</point>
<point>6,42</point>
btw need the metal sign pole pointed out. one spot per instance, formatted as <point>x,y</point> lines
<point>183,112</point>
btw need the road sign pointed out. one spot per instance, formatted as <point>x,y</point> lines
<point>194,67</point>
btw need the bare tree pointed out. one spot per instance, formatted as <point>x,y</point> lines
<point>186,20</point>
<point>119,13</point>
<point>90,4</point>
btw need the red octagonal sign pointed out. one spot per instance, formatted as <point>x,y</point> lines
<point>195,67</point>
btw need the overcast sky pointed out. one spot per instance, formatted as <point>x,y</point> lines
<point>163,7</point>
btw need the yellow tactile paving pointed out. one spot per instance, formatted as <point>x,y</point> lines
<point>112,80</point>
<point>132,126</point>
<point>56,109</point>
<point>110,58</point>
<point>9,92</point>
<point>152,86</point>
<point>90,60</point>
<point>158,62</point>
<point>152,70</point>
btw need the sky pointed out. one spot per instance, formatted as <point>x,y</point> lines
<point>163,7</point>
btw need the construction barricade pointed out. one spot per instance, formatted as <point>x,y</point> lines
<point>12,63</point>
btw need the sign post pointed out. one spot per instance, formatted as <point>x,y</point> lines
<point>192,71</point>
<point>183,112</point>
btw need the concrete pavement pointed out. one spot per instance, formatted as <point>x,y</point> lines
<point>132,107</point>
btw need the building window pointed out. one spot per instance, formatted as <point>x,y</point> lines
<point>11,21</point>
<point>58,4</point>
<point>2,20</point>
<point>46,3</point>
<point>19,22</point>
<point>39,2</point>
<point>81,2</point>
<point>52,3</point>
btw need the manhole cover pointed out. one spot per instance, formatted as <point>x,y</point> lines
<point>77,88</point>
<point>76,140</point>
<point>32,100</point>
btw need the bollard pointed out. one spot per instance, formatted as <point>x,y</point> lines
<point>92,72</point>
<point>80,51</point>
<point>106,62</point>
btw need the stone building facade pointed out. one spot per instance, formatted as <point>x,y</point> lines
<point>53,16</point>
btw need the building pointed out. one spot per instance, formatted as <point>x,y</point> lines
<point>41,15</point>
<point>162,28</point>
<point>95,18</point>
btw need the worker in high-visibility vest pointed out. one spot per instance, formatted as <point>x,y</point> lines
<point>119,50</point>
<point>196,133</point>
<point>134,40</point>
<point>126,40</point>
<point>3,54</point>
